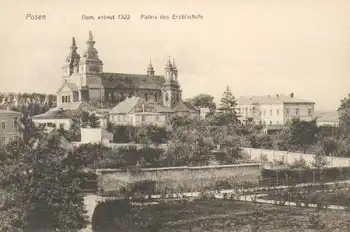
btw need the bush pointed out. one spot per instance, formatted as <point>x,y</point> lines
<point>109,215</point>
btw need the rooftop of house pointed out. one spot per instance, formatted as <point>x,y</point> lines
<point>270,99</point>
<point>185,106</point>
<point>129,103</point>
<point>66,110</point>
<point>327,116</point>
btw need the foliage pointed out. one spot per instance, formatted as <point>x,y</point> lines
<point>227,107</point>
<point>89,120</point>
<point>299,163</point>
<point>145,134</point>
<point>320,160</point>
<point>204,101</point>
<point>118,215</point>
<point>41,187</point>
<point>344,117</point>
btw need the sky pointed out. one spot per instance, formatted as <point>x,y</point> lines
<point>256,47</point>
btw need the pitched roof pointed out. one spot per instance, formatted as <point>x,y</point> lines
<point>131,81</point>
<point>270,99</point>
<point>128,104</point>
<point>75,106</point>
<point>71,86</point>
<point>327,116</point>
<point>66,110</point>
<point>185,106</point>
<point>124,107</point>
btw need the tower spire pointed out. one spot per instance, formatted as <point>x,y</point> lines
<point>174,64</point>
<point>74,45</point>
<point>150,69</point>
<point>168,64</point>
<point>72,58</point>
<point>91,52</point>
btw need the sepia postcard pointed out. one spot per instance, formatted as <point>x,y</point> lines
<point>158,116</point>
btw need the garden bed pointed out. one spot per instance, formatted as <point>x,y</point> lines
<point>215,215</point>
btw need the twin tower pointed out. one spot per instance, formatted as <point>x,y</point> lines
<point>84,73</point>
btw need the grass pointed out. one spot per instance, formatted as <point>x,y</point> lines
<point>226,215</point>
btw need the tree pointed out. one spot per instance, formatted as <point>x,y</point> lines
<point>41,187</point>
<point>301,134</point>
<point>204,101</point>
<point>344,117</point>
<point>189,145</point>
<point>89,120</point>
<point>227,106</point>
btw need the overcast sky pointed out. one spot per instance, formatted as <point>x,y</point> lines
<point>257,47</point>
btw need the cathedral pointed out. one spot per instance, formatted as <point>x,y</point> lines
<point>83,80</point>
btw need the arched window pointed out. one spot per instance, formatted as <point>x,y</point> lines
<point>166,97</point>
<point>155,97</point>
<point>3,125</point>
<point>146,96</point>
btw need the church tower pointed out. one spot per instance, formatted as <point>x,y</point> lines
<point>88,74</point>
<point>171,89</point>
<point>150,69</point>
<point>72,61</point>
<point>90,65</point>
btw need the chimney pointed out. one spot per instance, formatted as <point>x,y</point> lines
<point>268,96</point>
<point>291,95</point>
<point>277,95</point>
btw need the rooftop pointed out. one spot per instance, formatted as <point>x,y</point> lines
<point>130,103</point>
<point>327,116</point>
<point>66,110</point>
<point>132,81</point>
<point>270,99</point>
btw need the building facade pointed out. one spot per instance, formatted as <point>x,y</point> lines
<point>9,126</point>
<point>136,111</point>
<point>83,79</point>
<point>274,109</point>
<point>63,116</point>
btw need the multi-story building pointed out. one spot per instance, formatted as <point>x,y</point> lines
<point>9,126</point>
<point>137,111</point>
<point>274,109</point>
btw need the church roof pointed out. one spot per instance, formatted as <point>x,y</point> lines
<point>131,81</point>
<point>185,106</point>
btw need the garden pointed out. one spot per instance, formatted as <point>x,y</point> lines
<point>213,215</point>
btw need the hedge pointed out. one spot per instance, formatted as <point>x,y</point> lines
<point>295,176</point>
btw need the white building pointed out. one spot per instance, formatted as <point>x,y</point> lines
<point>274,109</point>
<point>136,111</point>
<point>64,115</point>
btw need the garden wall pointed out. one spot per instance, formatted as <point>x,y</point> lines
<point>289,157</point>
<point>181,179</point>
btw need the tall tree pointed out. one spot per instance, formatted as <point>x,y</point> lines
<point>204,101</point>
<point>227,106</point>
<point>344,117</point>
<point>40,185</point>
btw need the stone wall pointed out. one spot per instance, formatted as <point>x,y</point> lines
<point>180,179</point>
<point>289,157</point>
